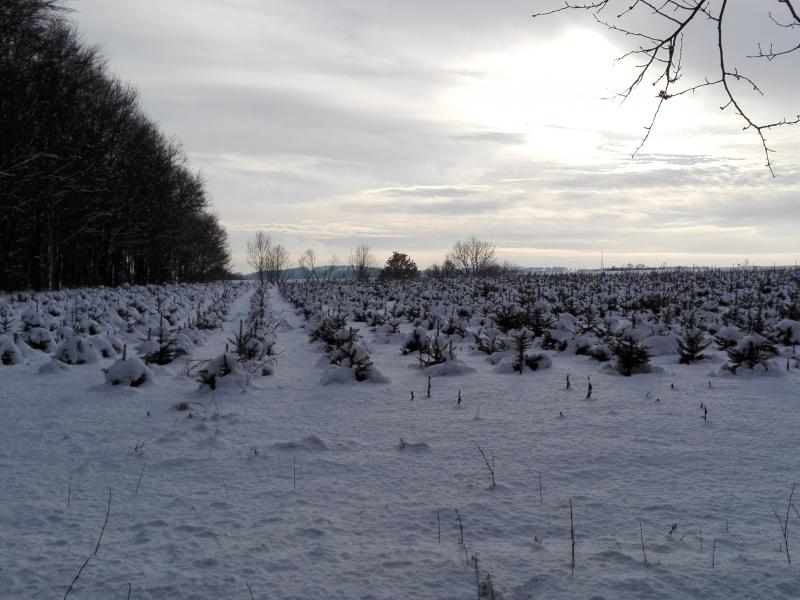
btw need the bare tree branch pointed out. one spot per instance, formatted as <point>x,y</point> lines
<point>662,53</point>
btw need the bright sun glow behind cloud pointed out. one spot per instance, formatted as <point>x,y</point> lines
<point>563,94</point>
<point>522,89</point>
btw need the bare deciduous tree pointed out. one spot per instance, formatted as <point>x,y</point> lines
<point>473,256</point>
<point>658,30</point>
<point>445,270</point>
<point>330,269</point>
<point>308,264</point>
<point>258,254</point>
<point>360,261</point>
<point>277,260</point>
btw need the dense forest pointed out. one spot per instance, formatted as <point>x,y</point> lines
<point>91,191</point>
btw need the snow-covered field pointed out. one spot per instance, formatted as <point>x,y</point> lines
<point>288,487</point>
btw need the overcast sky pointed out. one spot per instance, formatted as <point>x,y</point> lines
<point>410,124</point>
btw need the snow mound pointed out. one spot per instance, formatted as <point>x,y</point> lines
<point>413,446</point>
<point>77,350</point>
<point>730,334</point>
<point>451,367</point>
<point>768,369</point>
<point>9,353</point>
<point>54,367</point>
<point>104,347</point>
<point>130,372</point>
<point>645,369</point>
<point>223,372</point>
<point>311,442</point>
<point>39,338</point>
<point>790,330</point>
<point>533,362</point>
<point>344,374</point>
<point>661,345</point>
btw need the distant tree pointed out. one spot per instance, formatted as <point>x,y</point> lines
<point>473,256</point>
<point>399,266</point>
<point>444,271</point>
<point>509,268</point>
<point>360,261</point>
<point>449,268</point>
<point>308,264</point>
<point>329,272</point>
<point>277,259</point>
<point>258,254</point>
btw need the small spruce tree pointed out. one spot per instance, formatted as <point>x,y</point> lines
<point>631,355</point>
<point>751,351</point>
<point>691,345</point>
<point>521,340</point>
<point>399,266</point>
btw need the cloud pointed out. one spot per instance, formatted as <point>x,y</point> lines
<point>413,124</point>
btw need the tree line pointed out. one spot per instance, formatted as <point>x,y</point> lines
<point>91,191</point>
<point>471,257</point>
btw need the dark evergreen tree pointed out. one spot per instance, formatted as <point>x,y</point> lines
<point>399,266</point>
<point>691,345</point>
<point>693,341</point>
<point>631,355</point>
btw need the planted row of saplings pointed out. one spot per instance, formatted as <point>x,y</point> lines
<point>343,344</point>
<point>249,352</point>
<point>168,342</point>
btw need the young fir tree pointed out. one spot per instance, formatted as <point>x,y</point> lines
<point>521,340</point>
<point>6,319</point>
<point>751,351</point>
<point>631,355</point>
<point>399,266</point>
<point>693,342</point>
<point>691,345</point>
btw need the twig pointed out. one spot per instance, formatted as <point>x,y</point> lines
<point>477,577</point>
<point>784,523</point>
<point>138,483</point>
<point>96,548</point>
<point>460,528</point>
<point>714,554</point>
<point>572,540</point>
<point>616,541</point>
<point>541,500</point>
<point>203,523</point>
<point>489,466</point>
<point>641,537</point>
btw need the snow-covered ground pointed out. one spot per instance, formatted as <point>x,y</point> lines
<point>294,489</point>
